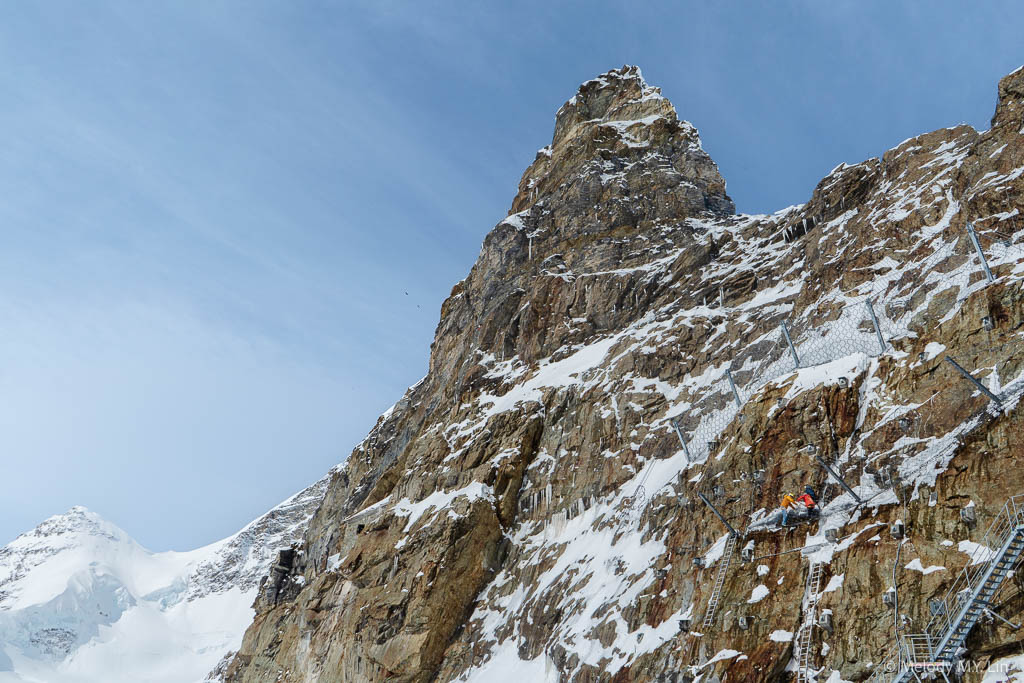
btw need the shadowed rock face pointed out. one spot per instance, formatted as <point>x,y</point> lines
<point>494,516</point>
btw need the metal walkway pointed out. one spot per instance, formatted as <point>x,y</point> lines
<point>716,593</point>
<point>805,636</point>
<point>969,597</point>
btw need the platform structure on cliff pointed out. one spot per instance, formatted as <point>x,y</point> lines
<point>716,592</point>
<point>805,635</point>
<point>969,598</point>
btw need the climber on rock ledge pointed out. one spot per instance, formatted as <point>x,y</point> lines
<point>810,501</point>
<point>798,509</point>
<point>804,507</point>
<point>788,503</point>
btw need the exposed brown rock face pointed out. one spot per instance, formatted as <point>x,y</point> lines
<point>483,521</point>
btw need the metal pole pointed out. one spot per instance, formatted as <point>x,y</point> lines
<point>874,321</point>
<point>792,349</point>
<point>981,253</point>
<point>735,394</point>
<point>837,478</point>
<point>970,377</point>
<point>679,433</point>
<point>719,515</point>
<point>1002,619</point>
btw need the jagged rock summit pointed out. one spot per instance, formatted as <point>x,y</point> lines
<point>619,128</point>
<point>625,344</point>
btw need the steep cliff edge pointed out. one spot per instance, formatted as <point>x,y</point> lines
<point>528,508</point>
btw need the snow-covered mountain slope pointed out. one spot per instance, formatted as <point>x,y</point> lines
<point>81,601</point>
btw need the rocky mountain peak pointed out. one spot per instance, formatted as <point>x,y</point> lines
<point>616,95</point>
<point>614,124</point>
<point>621,174</point>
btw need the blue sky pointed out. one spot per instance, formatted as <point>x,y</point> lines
<point>226,228</point>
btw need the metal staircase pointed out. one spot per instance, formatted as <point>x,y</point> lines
<point>805,636</point>
<point>965,602</point>
<point>716,592</point>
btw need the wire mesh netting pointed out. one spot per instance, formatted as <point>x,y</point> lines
<point>852,330</point>
<point>718,409</point>
<point>868,325</point>
<point>943,269</point>
<point>816,340</point>
<point>1004,252</point>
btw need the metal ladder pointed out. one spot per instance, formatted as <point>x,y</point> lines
<point>970,597</point>
<point>716,592</point>
<point>805,635</point>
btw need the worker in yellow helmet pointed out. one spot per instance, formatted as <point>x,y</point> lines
<point>788,503</point>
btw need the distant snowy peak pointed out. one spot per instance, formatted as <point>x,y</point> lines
<point>75,526</point>
<point>77,588</point>
<point>78,531</point>
<point>77,520</point>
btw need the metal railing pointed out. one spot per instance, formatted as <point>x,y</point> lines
<point>963,603</point>
<point>965,589</point>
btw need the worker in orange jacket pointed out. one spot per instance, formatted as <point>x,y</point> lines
<point>810,501</point>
